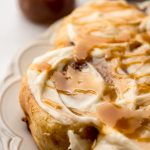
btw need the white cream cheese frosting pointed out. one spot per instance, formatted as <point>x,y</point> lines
<point>43,87</point>
<point>115,141</point>
<point>77,143</point>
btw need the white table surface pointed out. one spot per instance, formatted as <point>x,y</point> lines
<point>16,32</point>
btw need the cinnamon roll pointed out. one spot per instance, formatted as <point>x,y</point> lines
<point>92,90</point>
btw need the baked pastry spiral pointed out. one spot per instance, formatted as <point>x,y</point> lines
<point>92,90</point>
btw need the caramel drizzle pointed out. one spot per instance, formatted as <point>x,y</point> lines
<point>41,67</point>
<point>51,103</point>
<point>144,88</point>
<point>110,6</point>
<point>125,31</point>
<point>120,66</point>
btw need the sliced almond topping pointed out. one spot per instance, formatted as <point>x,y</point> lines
<point>125,120</point>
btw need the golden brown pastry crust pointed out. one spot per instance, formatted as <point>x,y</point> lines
<point>47,132</point>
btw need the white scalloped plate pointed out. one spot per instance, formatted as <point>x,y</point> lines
<point>13,131</point>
